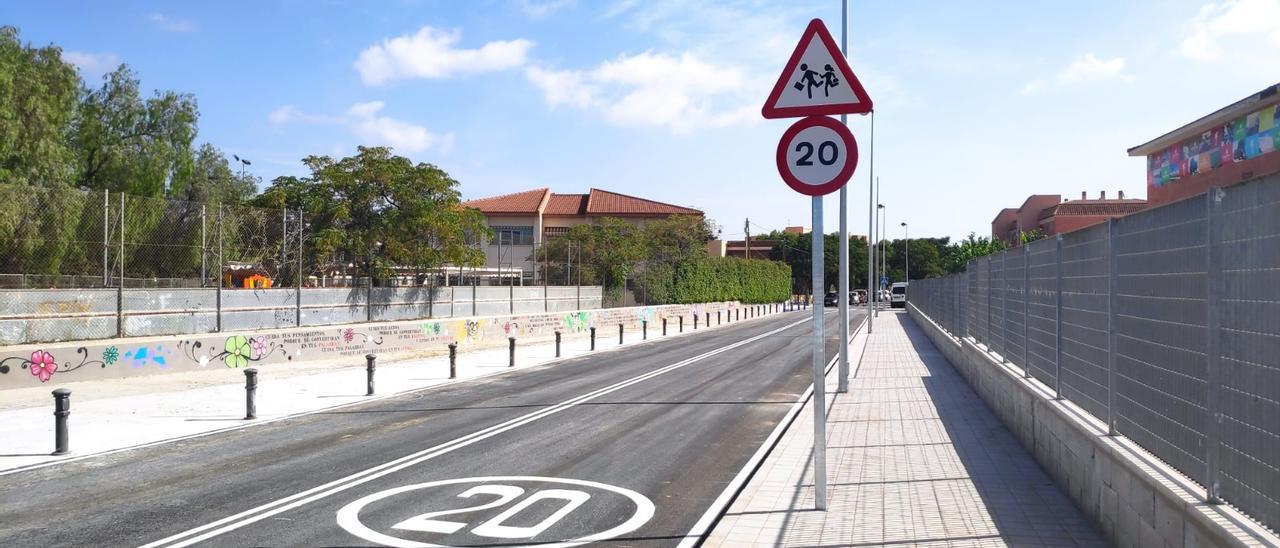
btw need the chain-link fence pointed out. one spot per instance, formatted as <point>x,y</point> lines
<point>80,265</point>
<point>1164,324</point>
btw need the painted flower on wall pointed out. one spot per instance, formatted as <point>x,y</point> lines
<point>110,355</point>
<point>348,334</point>
<point>259,345</point>
<point>238,351</point>
<point>42,365</point>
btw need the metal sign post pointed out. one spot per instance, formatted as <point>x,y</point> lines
<point>819,388</point>
<point>817,156</point>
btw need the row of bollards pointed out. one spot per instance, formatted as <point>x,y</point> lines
<point>62,396</point>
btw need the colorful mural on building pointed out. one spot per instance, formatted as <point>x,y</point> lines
<point>1241,139</point>
<point>142,356</point>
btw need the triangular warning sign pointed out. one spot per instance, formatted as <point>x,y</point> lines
<point>816,81</point>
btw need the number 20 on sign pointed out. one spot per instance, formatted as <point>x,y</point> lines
<point>817,155</point>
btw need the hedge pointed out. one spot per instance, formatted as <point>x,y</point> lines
<point>717,279</point>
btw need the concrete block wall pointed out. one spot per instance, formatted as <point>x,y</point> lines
<point>1132,498</point>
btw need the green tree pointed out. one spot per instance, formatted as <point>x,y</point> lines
<point>959,254</point>
<point>128,144</point>
<point>795,251</point>
<point>381,212</point>
<point>213,181</point>
<point>38,94</point>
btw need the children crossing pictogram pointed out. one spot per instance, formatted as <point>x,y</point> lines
<point>803,90</point>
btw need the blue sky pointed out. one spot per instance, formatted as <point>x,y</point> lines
<point>977,104</point>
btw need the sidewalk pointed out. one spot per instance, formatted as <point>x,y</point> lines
<point>914,458</point>
<point>120,414</point>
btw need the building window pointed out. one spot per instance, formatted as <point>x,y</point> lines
<point>555,231</point>
<point>512,235</point>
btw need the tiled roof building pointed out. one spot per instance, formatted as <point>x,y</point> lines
<point>522,220</point>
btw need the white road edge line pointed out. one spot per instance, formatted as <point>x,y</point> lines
<point>697,534</point>
<point>253,515</point>
<point>371,399</point>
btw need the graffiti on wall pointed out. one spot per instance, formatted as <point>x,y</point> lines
<point>1246,137</point>
<point>125,357</point>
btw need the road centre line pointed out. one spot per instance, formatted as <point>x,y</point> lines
<point>259,513</point>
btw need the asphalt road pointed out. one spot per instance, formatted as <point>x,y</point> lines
<point>628,447</point>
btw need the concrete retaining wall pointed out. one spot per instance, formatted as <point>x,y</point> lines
<point>1131,497</point>
<point>33,364</point>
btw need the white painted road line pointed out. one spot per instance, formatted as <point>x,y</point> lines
<point>735,486</point>
<point>253,515</point>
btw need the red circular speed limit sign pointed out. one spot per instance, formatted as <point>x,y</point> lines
<point>817,155</point>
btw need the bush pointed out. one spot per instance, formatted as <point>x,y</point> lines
<point>717,279</point>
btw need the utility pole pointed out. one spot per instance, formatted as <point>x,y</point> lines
<point>746,228</point>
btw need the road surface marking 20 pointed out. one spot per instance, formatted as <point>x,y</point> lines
<point>495,527</point>
<point>265,511</point>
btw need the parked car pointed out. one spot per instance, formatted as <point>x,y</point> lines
<point>831,299</point>
<point>858,297</point>
<point>898,297</point>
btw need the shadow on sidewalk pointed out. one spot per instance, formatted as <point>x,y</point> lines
<point>1021,500</point>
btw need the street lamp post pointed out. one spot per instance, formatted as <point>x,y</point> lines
<point>906,234</point>
<point>880,213</point>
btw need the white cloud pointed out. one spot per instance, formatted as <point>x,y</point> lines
<point>171,24</point>
<point>97,63</point>
<point>1231,18</point>
<point>681,93</point>
<point>538,9</point>
<point>363,120</point>
<point>1085,69</point>
<point>1089,68</point>
<point>430,53</point>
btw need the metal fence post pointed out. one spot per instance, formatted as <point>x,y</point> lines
<point>218,294</point>
<point>120,282</point>
<point>1026,309</point>
<point>1113,227</point>
<point>987,289</point>
<point>297,297</point>
<point>106,237</point>
<point>1057,322</point>
<point>1216,287</point>
<point>1004,306</point>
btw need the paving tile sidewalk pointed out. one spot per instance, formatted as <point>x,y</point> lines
<point>914,458</point>
<point>116,414</point>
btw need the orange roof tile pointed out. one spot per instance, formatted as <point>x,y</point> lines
<point>1110,208</point>
<point>567,204</point>
<point>603,202</point>
<point>517,202</point>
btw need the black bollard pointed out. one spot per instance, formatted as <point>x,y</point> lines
<point>511,351</point>
<point>557,344</point>
<point>453,360</point>
<point>718,322</point>
<point>250,390</point>
<point>681,326</point>
<point>644,330</point>
<point>695,322</point>
<point>619,333</point>
<point>664,327</point>
<point>593,338</point>
<point>61,410</point>
<point>708,319</point>
<point>369,366</point>
<point>737,314</point>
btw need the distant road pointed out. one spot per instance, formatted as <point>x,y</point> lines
<point>630,447</point>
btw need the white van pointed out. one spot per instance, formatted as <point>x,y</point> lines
<point>898,295</point>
